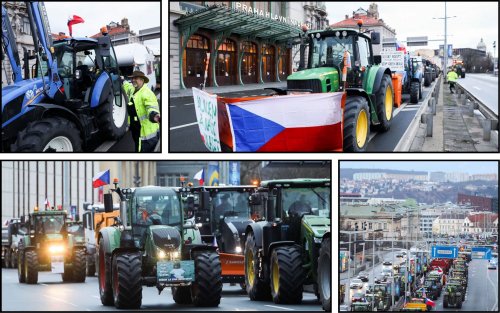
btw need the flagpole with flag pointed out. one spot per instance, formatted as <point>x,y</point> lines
<point>200,176</point>
<point>100,179</point>
<point>47,203</point>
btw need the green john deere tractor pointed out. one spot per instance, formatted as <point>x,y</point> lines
<point>153,245</point>
<point>370,94</point>
<point>452,295</point>
<point>289,245</point>
<point>47,245</point>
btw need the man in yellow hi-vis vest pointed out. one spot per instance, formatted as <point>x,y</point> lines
<point>143,112</point>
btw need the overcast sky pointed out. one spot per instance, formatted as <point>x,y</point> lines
<point>473,20</point>
<point>140,15</point>
<point>471,167</point>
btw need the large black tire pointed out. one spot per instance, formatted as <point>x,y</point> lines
<point>127,280</point>
<point>427,79</point>
<point>79,266</point>
<point>324,274</point>
<point>107,125</point>
<point>257,289</point>
<point>67,275</point>
<point>36,136</point>
<point>104,276</point>
<point>385,103</point>
<point>420,94</point>
<point>90,266</point>
<point>356,124</point>
<point>463,74</point>
<point>31,261</point>
<point>20,263</point>
<point>13,259</point>
<point>6,260</point>
<point>206,289</point>
<point>287,275</point>
<point>445,302</point>
<point>182,295</point>
<point>414,92</point>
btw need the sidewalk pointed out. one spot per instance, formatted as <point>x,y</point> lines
<point>225,89</point>
<point>454,129</point>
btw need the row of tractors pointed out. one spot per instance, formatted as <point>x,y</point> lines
<point>274,240</point>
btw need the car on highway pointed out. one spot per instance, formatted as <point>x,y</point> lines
<point>387,272</point>
<point>492,265</point>
<point>364,276</point>
<point>358,297</point>
<point>356,284</point>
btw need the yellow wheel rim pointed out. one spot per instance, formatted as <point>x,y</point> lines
<point>388,103</point>
<point>361,128</point>
<point>249,267</point>
<point>276,276</point>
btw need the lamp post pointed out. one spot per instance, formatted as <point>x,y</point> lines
<point>445,48</point>
<point>494,63</point>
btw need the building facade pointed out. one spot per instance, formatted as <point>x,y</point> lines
<point>448,223</point>
<point>218,43</point>
<point>481,223</point>
<point>479,203</point>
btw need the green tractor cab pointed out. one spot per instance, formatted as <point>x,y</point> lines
<point>289,245</point>
<point>153,245</point>
<point>370,94</point>
<point>452,296</point>
<point>49,246</point>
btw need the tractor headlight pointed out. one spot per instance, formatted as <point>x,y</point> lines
<point>238,249</point>
<point>55,249</point>
<point>161,254</point>
<point>174,254</point>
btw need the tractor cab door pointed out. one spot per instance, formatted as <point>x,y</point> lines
<point>110,66</point>
<point>364,59</point>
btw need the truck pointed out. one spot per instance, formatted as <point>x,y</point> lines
<point>94,219</point>
<point>73,99</point>
<point>289,245</point>
<point>47,245</point>
<point>10,240</point>
<point>153,245</point>
<point>444,264</point>
<point>342,59</point>
<point>223,213</point>
<point>137,57</point>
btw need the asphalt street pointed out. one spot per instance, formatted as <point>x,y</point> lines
<point>484,87</point>
<point>51,294</point>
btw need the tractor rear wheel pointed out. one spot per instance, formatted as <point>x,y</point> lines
<point>31,261</point>
<point>324,274</point>
<point>104,276</point>
<point>127,280</point>
<point>427,79</point>
<point>20,264</point>
<point>90,266</point>
<point>13,259</point>
<point>414,92</point>
<point>206,289</point>
<point>257,289</point>
<point>356,124</point>
<point>6,260</point>
<point>111,118</point>
<point>182,294</point>
<point>79,266</point>
<point>385,103</point>
<point>287,275</point>
<point>53,134</point>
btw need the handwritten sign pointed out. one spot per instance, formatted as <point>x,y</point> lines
<point>206,114</point>
<point>393,60</point>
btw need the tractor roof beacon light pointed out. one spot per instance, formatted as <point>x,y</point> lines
<point>104,30</point>
<point>360,23</point>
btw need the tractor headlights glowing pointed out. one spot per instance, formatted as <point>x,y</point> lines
<point>161,254</point>
<point>56,249</point>
<point>174,254</point>
<point>238,249</point>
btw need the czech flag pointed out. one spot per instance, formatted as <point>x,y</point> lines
<point>429,302</point>
<point>200,176</point>
<point>296,123</point>
<point>100,179</point>
<point>74,20</point>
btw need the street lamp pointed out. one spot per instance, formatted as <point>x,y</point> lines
<point>494,47</point>
<point>445,49</point>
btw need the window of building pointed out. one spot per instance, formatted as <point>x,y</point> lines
<point>369,225</point>
<point>26,26</point>
<point>194,58</point>
<point>261,5</point>
<point>276,8</point>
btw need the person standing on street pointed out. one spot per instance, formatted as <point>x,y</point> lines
<point>452,79</point>
<point>143,111</point>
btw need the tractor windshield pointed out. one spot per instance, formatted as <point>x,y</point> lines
<point>329,50</point>
<point>231,203</point>
<point>311,201</point>
<point>76,229</point>
<point>51,224</point>
<point>163,209</point>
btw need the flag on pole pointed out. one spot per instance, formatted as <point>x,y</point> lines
<point>74,20</point>
<point>100,179</point>
<point>430,302</point>
<point>200,176</point>
<point>47,203</point>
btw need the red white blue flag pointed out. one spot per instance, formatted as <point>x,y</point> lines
<point>100,179</point>
<point>200,176</point>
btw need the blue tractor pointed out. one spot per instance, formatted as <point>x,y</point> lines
<point>73,97</point>
<point>413,77</point>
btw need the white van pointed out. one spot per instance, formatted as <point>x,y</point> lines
<point>136,57</point>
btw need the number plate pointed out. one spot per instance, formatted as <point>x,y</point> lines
<point>175,271</point>
<point>57,264</point>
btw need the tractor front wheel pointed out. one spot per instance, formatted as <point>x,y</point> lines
<point>182,295</point>
<point>90,265</point>
<point>20,264</point>
<point>287,275</point>
<point>414,92</point>
<point>53,134</point>
<point>206,289</point>
<point>112,118</point>
<point>385,103</point>
<point>13,259</point>
<point>127,277</point>
<point>257,289</point>
<point>356,124</point>
<point>427,79</point>
<point>79,266</point>
<point>324,274</point>
<point>104,275</point>
<point>67,275</point>
<point>31,270</point>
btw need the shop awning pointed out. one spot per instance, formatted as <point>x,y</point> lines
<point>222,19</point>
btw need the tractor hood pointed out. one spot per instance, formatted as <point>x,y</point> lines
<point>315,73</point>
<point>54,237</point>
<point>165,237</point>
<point>318,224</point>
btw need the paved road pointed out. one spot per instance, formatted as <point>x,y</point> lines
<point>484,87</point>
<point>51,294</point>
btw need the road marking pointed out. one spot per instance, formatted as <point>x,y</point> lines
<point>189,104</point>
<point>172,106</point>
<point>57,299</point>
<point>182,126</point>
<point>279,307</point>
<point>97,297</point>
<point>476,88</point>
<point>496,293</point>
<point>44,284</point>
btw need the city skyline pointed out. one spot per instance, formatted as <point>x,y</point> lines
<point>469,167</point>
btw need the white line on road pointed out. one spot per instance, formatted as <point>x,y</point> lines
<point>496,293</point>
<point>476,88</point>
<point>279,307</point>
<point>47,285</point>
<point>173,106</point>
<point>182,126</point>
<point>189,104</point>
<point>57,299</point>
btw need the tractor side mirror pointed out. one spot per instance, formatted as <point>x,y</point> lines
<point>377,59</point>
<point>108,203</point>
<point>104,45</point>
<point>375,38</point>
<point>255,199</point>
